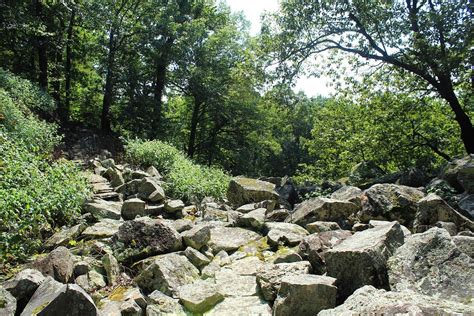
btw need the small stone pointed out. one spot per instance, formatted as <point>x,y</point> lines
<point>286,255</point>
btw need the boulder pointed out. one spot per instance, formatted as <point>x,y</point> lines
<point>459,173</point>
<point>196,258</point>
<point>23,286</point>
<point>181,225</point>
<point>7,303</point>
<point>320,227</point>
<point>59,264</point>
<point>152,171</point>
<point>246,208</point>
<point>361,259</point>
<point>284,234</point>
<point>413,177</point>
<point>173,206</point>
<point>133,208</point>
<point>54,298</point>
<point>197,237</point>
<point>322,209</point>
<point>123,301</point>
<point>149,189</point>
<point>245,190</point>
<point>91,281</point>
<point>305,294</point>
<point>230,238</point>
<point>230,283</point>
<point>465,244</point>
<point>254,219</point>
<point>111,267</point>
<point>430,263</point>
<point>145,237</point>
<point>129,188</point>
<point>64,236</point>
<point>466,205</point>
<point>347,193</point>
<point>285,255</point>
<point>163,305</point>
<point>433,208</point>
<point>102,229</point>
<point>200,296</point>
<point>390,202</point>
<point>371,301</point>
<point>278,215</point>
<point>314,247</point>
<point>246,265</point>
<point>114,176</point>
<point>238,306</point>
<point>103,209</point>
<point>269,276</point>
<point>167,273</point>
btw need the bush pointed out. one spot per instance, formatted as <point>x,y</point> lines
<point>36,194</point>
<point>185,179</point>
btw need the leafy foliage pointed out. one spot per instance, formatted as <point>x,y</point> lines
<point>185,179</point>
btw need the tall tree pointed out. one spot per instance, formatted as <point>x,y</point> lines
<point>428,38</point>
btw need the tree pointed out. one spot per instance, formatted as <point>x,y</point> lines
<point>428,38</point>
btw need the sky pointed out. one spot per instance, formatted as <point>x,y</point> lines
<point>253,9</point>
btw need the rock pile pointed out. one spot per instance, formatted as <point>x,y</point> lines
<point>387,249</point>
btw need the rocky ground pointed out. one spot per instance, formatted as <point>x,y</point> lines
<point>389,249</point>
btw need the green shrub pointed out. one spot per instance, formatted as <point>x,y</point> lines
<point>34,196</point>
<point>185,179</point>
<point>25,94</point>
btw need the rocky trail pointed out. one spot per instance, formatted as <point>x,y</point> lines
<point>389,249</point>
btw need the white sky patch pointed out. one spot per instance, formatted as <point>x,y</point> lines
<point>253,9</point>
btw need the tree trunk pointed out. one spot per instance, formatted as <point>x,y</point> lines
<point>108,89</point>
<point>193,129</point>
<point>64,113</point>
<point>42,47</point>
<point>467,131</point>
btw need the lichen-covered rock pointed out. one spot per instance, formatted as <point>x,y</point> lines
<point>133,208</point>
<point>361,259</point>
<point>465,244</point>
<point>305,294</point>
<point>115,177</point>
<point>230,238</point>
<point>111,267</point>
<point>459,173</point>
<point>23,285</point>
<point>239,306</point>
<point>103,209</point>
<point>371,301</point>
<point>103,229</point>
<point>64,236</point>
<point>314,247</point>
<point>320,227</point>
<point>197,237</point>
<point>163,305</point>
<point>149,189</point>
<point>390,202</point>
<point>245,190</point>
<point>173,206</point>
<point>254,219</point>
<point>59,264</point>
<point>196,258</point>
<point>7,303</point>
<point>322,209</point>
<point>269,276</point>
<point>123,301</point>
<point>347,193</point>
<point>200,296</point>
<point>167,273</point>
<point>430,263</point>
<point>54,298</point>
<point>231,283</point>
<point>145,237</point>
<point>284,234</point>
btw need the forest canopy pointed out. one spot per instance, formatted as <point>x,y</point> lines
<point>190,74</point>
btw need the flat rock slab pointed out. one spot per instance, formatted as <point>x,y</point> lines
<point>54,298</point>
<point>371,301</point>
<point>239,306</point>
<point>361,259</point>
<point>246,190</point>
<point>200,296</point>
<point>305,294</point>
<point>167,273</point>
<point>102,229</point>
<point>232,284</point>
<point>430,263</point>
<point>230,238</point>
<point>64,236</point>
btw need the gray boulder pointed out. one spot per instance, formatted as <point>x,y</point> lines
<point>361,259</point>
<point>230,238</point>
<point>149,189</point>
<point>173,206</point>
<point>23,285</point>
<point>54,298</point>
<point>103,209</point>
<point>305,295</point>
<point>322,209</point>
<point>245,190</point>
<point>284,234</point>
<point>430,263</point>
<point>7,303</point>
<point>200,296</point>
<point>348,193</point>
<point>466,204</point>
<point>269,276</point>
<point>465,244</point>
<point>103,229</point>
<point>163,305</point>
<point>320,227</point>
<point>197,237</point>
<point>390,202</point>
<point>167,273</point>
<point>59,264</point>
<point>64,236</point>
<point>241,305</point>
<point>145,237</point>
<point>371,301</point>
<point>253,219</point>
<point>133,208</point>
<point>124,301</point>
<point>459,173</point>
<point>196,258</point>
